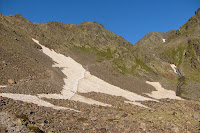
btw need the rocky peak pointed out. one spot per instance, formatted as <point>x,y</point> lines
<point>19,17</point>
<point>197,12</point>
<point>92,23</point>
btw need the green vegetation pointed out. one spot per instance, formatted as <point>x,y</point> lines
<point>192,76</point>
<point>101,55</point>
<point>124,70</point>
<point>83,48</point>
<point>23,117</point>
<point>111,120</point>
<point>143,65</point>
<point>35,129</point>
<point>183,92</point>
<point>191,49</point>
<point>174,55</point>
<point>120,63</point>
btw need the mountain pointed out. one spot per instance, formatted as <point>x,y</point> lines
<point>66,77</point>
<point>182,49</point>
<point>91,45</point>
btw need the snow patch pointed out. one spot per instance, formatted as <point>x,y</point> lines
<point>34,100</point>
<point>3,86</point>
<point>88,100</point>
<point>161,92</point>
<point>164,40</point>
<point>136,103</point>
<point>174,68</point>
<point>92,83</point>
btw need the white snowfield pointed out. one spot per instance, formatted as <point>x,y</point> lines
<point>92,83</point>
<point>73,71</point>
<point>161,92</point>
<point>79,80</point>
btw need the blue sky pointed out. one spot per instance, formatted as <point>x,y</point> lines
<point>131,19</point>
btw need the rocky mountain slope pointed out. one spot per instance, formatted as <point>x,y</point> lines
<point>182,49</point>
<point>89,44</point>
<point>27,73</point>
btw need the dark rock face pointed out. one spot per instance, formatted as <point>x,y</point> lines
<point>197,12</point>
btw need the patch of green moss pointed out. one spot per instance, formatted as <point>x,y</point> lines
<point>111,120</point>
<point>120,109</point>
<point>23,117</point>
<point>118,62</point>
<point>193,76</point>
<point>72,39</point>
<point>99,59</point>
<point>174,55</point>
<point>82,48</point>
<point>142,64</point>
<point>100,107</point>
<point>35,129</point>
<point>184,97</point>
<point>101,55</point>
<point>183,92</point>
<point>124,70</point>
<point>133,68</point>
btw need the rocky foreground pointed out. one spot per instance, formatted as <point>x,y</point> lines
<point>166,116</point>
